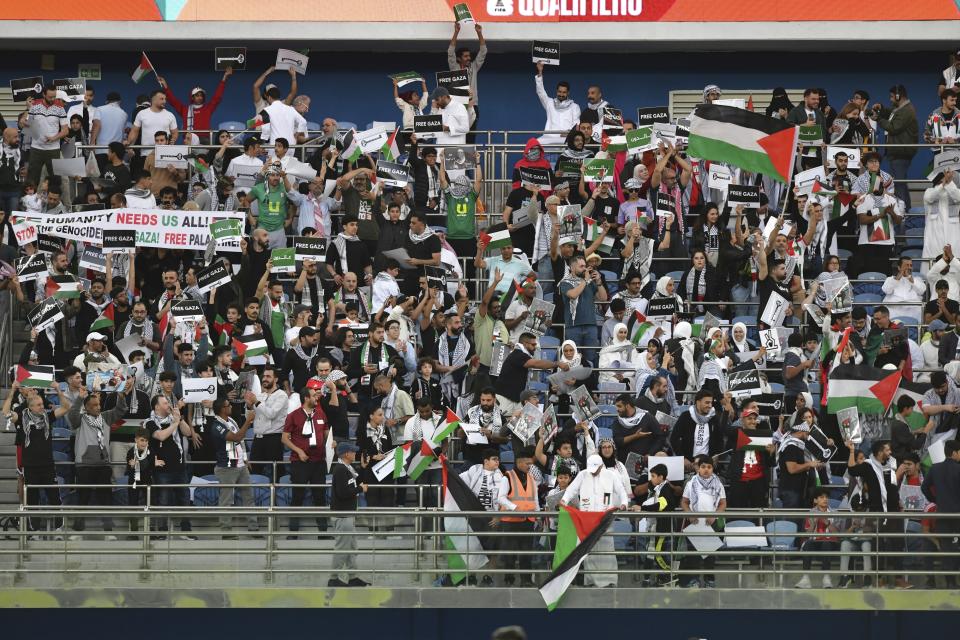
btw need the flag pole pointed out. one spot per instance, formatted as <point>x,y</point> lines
<point>152,68</point>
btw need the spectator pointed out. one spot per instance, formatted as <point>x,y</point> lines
<point>168,429</point>
<point>579,292</point>
<point>942,205</point>
<point>942,307</point>
<point>461,58</point>
<point>491,487</point>
<point>598,489</point>
<point>820,523</point>
<point>794,465</point>
<point>943,123</point>
<point>883,496</point>
<point>704,493</point>
<point>196,115</point>
<point>141,465</point>
<point>456,122</point>
<point>900,123</point>
<point>563,113</point>
<point>153,119</point>
<point>232,462</point>
<point>942,485</point>
<point>749,471</point>
<point>698,431</point>
<point>344,494</point>
<point>635,430</point>
<point>48,125</point>
<point>523,496</point>
<point>305,433</point>
<point>903,287</point>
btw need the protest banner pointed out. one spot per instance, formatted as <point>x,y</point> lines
<point>73,88</point>
<point>24,89</point>
<point>457,83</point>
<point>287,59</point>
<point>546,52</point>
<point>284,261</point>
<point>428,124</point>
<point>309,248</point>
<point>649,115</point>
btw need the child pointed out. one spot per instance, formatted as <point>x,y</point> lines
<point>856,525</point>
<point>141,463</point>
<point>660,498</point>
<point>564,477</point>
<point>352,310</point>
<point>704,493</point>
<point>550,464</point>
<point>822,526</point>
<point>425,384</point>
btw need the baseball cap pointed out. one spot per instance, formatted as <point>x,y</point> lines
<point>937,325</point>
<point>197,90</point>
<point>439,92</point>
<point>95,335</point>
<point>313,383</point>
<point>306,332</point>
<point>749,412</point>
<point>594,462</point>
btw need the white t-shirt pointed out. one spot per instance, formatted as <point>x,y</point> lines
<point>244,169</point>
<point>283,122</point>
<point>514,311</point>
<point>151,121</point>
<point>92,111</point>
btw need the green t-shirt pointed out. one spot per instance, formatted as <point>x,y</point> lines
<point>271,206</point>
<point>461,215</point>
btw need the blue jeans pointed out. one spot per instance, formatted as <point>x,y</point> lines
<point>545,274</point>
<point>9,201</point>
<point>584,335</point>
<point>898,169</point>
<point>739,293</point>
<point>172,496</point>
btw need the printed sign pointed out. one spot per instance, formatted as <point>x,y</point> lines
<point>428,124</point>
<point>230,58</point>
<point>32,267</point>
<point>743,384</point>
<point>546,52</point>
<point>74,88</point>
<point>662,308</point>
<point>198,389</point>
<point>457,83</point>
<point>598,170</point>
<point>719,177</point>
<point>651,115</point>
<point>92,258</point>
<point>45,314</point>
<point>811,134</point>
<point>497,358</point>
<point>640,139</point>
<point>175,155</point>
<point>24,89</point>
<point>119,240</point>
<point>775,310</point>
<point>539,317</point>
<point>770,340</point>
<point>370,141</point>
<point>666,204</point>
<point>393,174</point>
<point>747,195</point>
<point>309,248</point>
<point>582,405</point>
<point>406,77</point>
<point>805,180</point>
<point>284,261</point>
<point>25,232</point>
<point>462,14</point>
<point>852,153</point>
<point>535,175</point>
<point>287,59</point>
<point>187,310</point>
<point>213,276</point>
<point>459,158</point>
<point>89,71</point>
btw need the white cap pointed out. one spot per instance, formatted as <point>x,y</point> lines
<point>594,462</point>
<point>197,90</point>
<point>95,336</point>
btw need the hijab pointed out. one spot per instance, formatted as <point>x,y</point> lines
<point>576,359</point>
<point>742,345</point>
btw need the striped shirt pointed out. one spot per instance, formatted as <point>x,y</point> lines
<point>46,122</point>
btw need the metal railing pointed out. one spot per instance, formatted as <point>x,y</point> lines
<point>772,553</point>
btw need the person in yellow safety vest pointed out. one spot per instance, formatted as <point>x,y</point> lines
<point>523,494</point>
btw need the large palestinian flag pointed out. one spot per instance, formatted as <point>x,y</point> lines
<point>754,438</point>
<point>577,533</point>
<point>869,389</point>
<point>35,375</point>
<point>465,550</point>
<point>748,140</point>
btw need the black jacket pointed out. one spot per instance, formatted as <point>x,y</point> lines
<point>902,440</point>
<point>421,181</point>
<point>682,438</point>
<point>647,445</point>
<point>942,485</point>
<point>355,369</point>
<point>345,489</point>
<point>948,347</point>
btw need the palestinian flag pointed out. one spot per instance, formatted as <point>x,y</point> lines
<point>465,550</point>
<point>754,439</point>
<point>351,149</point>
<point>256,122</point>
<point>496,236</point>
<point>751,141</point>
<point>62,287</point>
<point>869,389</point>
<point>637,325</point>
<point>916,390</point>
<point>390,150</point>
<point>223,329</point>
<point>451,422</point>
<point>143,69</point>
<point>35,375</point>
<point>252,345</point>
<point>200,165</point>
<point>510,295</point>
<point>592,231</point>
<point>420,456</point>
<point>879,230</point>
<point>577,533</point>
<point>104,320</point>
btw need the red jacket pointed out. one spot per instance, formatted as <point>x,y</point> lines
<point>201,114</point>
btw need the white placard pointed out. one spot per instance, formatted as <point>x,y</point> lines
<point>287,59</point>
<point>674,466</point>
<point>199,389</point>
<point>771,340</point>
<point>805,180</point>
<point>703,543</point>
<point>785,230</point>
<point>853,157</point>
<point>70,167</point>
<point>300,170</point>
<point>371,140</point>
<point>775,311</point>
<point>384,467</point>
<point>165,155</point>
<point>758,537</point>
<point>26,232</point>
<point>719,177</point>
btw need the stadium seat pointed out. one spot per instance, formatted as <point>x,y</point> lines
<point>233,125</point>
<point>912,253</point>
<point>844,254</point>
<point>911,325</point>
<point>776,387</point>
<point>874,282</point>
<point>781,535</point>
<point>346,125</point>
<point>547,342</point>
<point>61,440</point>
<point>261,495</point>
<point>613,280</point>
<point>207,495</point>
<point>676,275</point>
<point>622,530</point>
<point>608,414</point>
<point>313,127</point>
<point>285,493</point>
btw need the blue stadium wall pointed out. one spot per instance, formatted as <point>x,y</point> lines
<point>476,624</point>
<point>355,86</point>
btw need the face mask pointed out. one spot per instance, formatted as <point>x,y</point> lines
<point>533,155</point>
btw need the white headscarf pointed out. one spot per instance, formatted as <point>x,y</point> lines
<point>663,293</point>
<point>741,345</point>
<point>616,344</point>
<point>576,359</point>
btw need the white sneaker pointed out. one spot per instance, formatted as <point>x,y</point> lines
<point>827,583</point>
<point>804,583</point>
<point>110,537</point>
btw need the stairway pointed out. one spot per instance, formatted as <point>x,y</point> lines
<point>8,450</point>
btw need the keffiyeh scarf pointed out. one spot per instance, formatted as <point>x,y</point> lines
<point>340,242</point>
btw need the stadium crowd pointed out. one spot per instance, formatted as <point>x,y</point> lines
<point>553,348</point>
